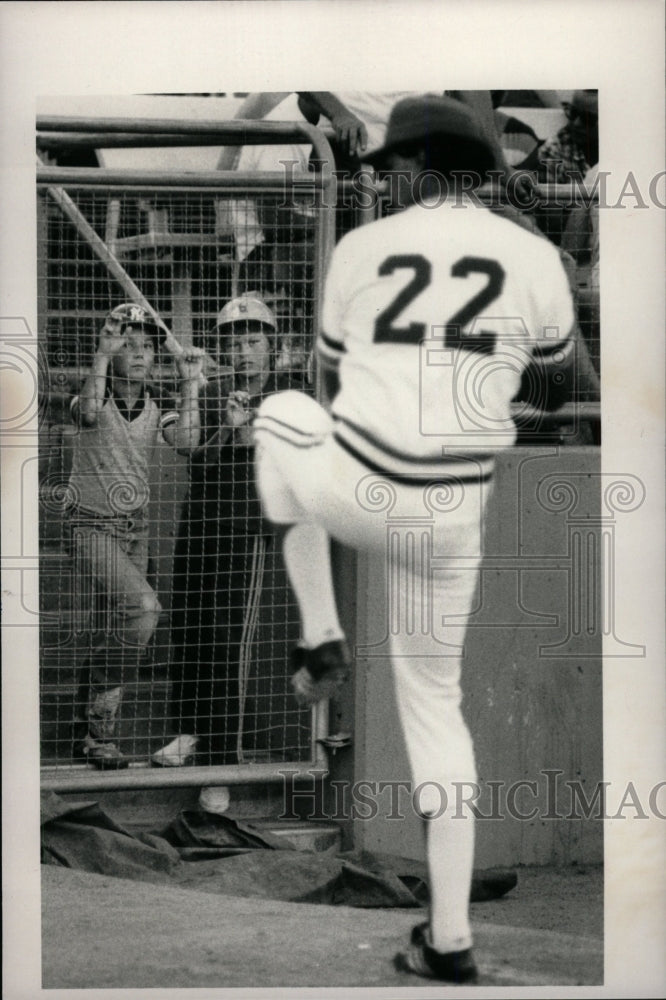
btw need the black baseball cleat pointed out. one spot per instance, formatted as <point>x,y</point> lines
<point>422,959</point>
<point>320,672</point>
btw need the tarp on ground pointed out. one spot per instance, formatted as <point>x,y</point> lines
<point>227,855</point>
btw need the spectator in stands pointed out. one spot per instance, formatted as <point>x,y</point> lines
<point>220,549</point>
<point>520,143</point>
<point>120,417</point>
<point>265,239</point>
<point>359,120</point>
<point>581,240</point>
<point>249,229</point>
<point>274,237</point>
<point>575,148</point>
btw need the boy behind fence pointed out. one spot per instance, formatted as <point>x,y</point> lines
<point>120,417</point>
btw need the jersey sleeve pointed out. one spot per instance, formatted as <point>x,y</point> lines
<point>548,378</point>
<point>553,326</point>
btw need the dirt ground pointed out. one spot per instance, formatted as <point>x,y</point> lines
<point>102,932</point>
<point>568,900</point>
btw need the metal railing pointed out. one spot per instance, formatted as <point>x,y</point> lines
<point>144,236</point>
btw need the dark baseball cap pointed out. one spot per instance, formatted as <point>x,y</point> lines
<point>429,116</point>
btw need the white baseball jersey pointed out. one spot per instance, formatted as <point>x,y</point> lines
<point>432,316</point>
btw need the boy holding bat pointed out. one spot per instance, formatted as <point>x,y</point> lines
<point>120,417</point>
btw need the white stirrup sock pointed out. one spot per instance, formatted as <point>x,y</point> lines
<point>307,556</point>
<point>450,851</point>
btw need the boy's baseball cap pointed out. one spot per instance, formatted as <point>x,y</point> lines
<point>246,307</point>
<point>133,314</point>
<point>430,115</point>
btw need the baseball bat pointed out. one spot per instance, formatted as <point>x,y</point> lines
<point>69,209</point>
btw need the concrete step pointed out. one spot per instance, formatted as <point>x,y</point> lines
<point>305,835</point>
<point>260,805</point>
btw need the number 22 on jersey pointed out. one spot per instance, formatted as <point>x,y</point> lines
<point>388,330</point>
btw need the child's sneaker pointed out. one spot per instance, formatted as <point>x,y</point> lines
<point>103,754</point>
<point>179,752</point>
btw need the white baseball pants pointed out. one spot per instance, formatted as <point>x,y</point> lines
<point>304,476</point>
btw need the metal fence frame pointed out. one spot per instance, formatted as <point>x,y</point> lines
<point>56,133</point>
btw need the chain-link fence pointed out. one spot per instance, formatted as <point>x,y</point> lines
<point>166,617</point>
